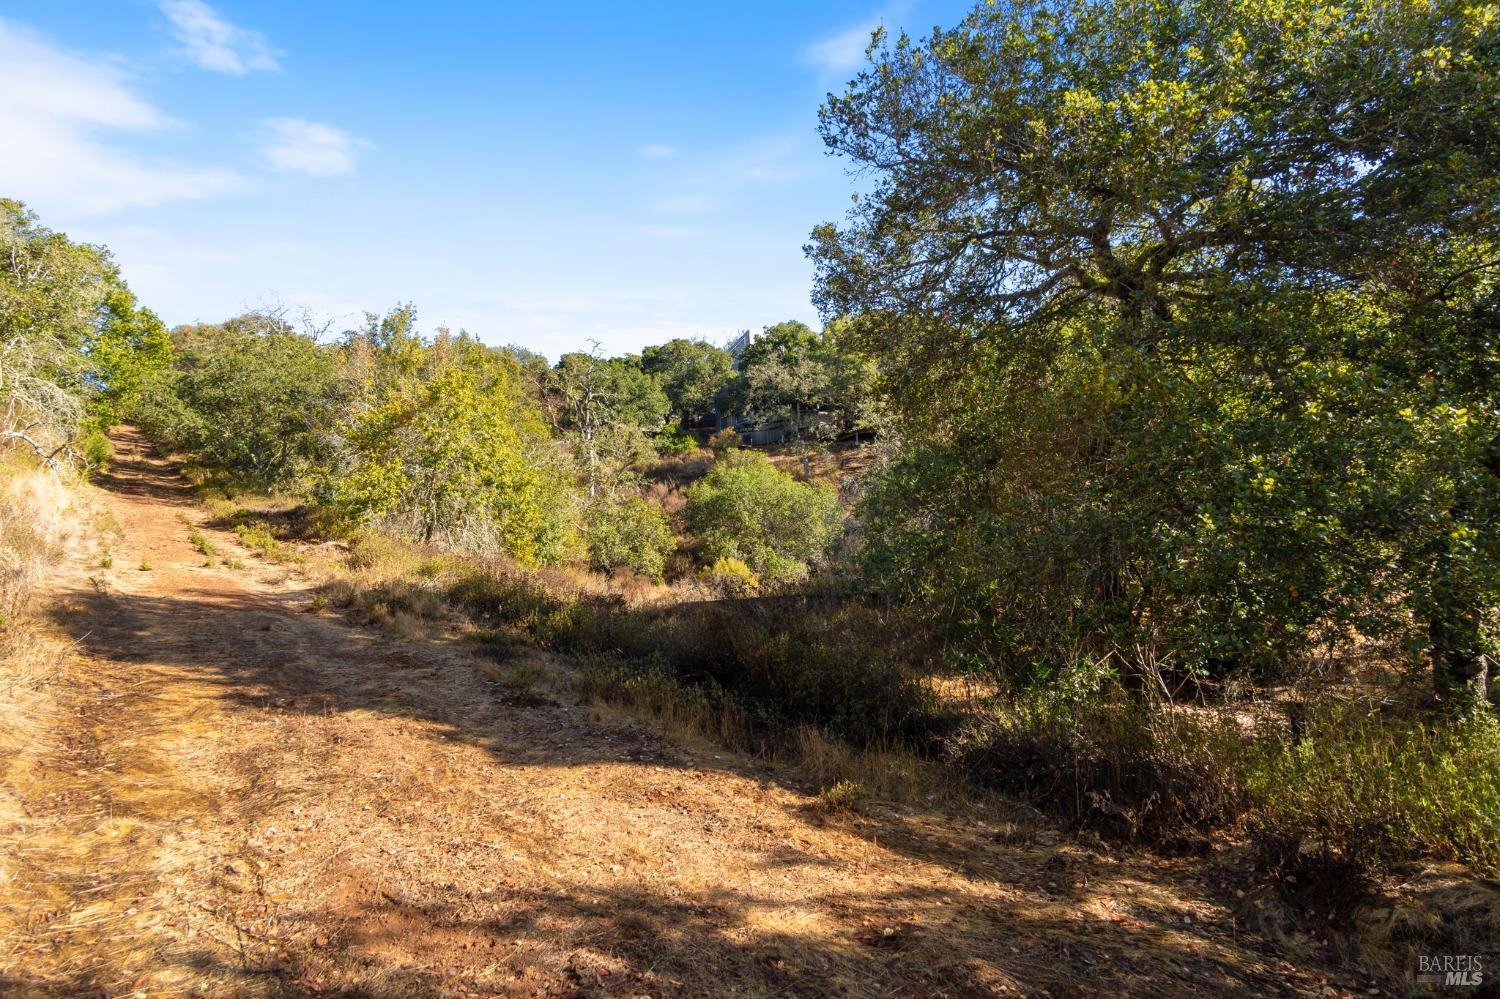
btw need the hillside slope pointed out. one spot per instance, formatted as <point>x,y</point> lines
<point>235,795</point>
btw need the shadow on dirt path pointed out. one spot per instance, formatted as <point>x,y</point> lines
<point>252,799</point>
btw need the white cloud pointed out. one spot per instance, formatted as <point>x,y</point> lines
<point>657,151</point>
<point>213,43</point>
<point>729,174</point>
<point>58,113</point>
<point>296,145</point>
<point>844,52</point>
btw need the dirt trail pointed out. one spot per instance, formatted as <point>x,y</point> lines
<point>243,797</point>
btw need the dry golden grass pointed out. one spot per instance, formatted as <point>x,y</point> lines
<point>29,665</point>
<point>41,518</point>
<point>890,774</point>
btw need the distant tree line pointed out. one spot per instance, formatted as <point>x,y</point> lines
<point>449,442</point>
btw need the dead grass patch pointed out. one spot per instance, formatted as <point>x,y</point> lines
<point>41,517</point>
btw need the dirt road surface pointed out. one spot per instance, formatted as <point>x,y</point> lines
<point>234,795</point>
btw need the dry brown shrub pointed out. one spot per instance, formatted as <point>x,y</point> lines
<point>40,516</point>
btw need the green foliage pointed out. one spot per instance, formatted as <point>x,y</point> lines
<point>691,374</point>
<point>1376,791</point>
<point>258,537</point>
<point>675,441</point>
<point>842,796</point>
<point>630,532</point>
<point>448,447</point>
<point>602,392</point>
<point>606,406</point>
<point>129,357</point>
<point>201,543</point>
<point>74,346</point>
<point>724,442</point>
<point>746,508</point>
<point>730,577</point>
<point>813,384</point>
<point>92,445</point>
<point>439,440</point>
<point>1189,334</point>
<point>250,396</point>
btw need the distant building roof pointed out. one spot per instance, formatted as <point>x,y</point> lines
<point>738,344</point>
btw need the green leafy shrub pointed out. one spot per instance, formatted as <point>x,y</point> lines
<point>250,396</point>
<point>675,441</point>
<point>1370,790</point>
<point>256,536</point>
<point>462,458</point>
<point>725,442</point>
<point>631,532</point>
<point>842,796</point>
<point>746,508</point>
<point>730,577</point>
<point>93,446</point>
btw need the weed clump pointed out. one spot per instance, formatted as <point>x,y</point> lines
<point>256,536</point>
<point>844,796</point>
<point>201,543</point>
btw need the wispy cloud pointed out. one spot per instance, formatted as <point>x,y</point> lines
<point>296,145</point>
<point>728,174</point>
<point>657,151</point>
<point>214,44</point>
<point>843,52</point>
<point>58,116</point>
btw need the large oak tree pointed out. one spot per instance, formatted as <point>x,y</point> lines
<point>1191,306</point>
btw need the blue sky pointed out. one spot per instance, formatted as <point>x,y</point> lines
<point>540,174</point>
